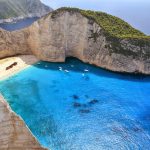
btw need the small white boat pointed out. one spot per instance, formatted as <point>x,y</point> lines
<point>83,74</point>
<point>60,68</point>
<point>86,70</point>
<point>66,70</point>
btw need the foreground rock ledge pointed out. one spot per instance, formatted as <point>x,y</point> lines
<point>14,134</point>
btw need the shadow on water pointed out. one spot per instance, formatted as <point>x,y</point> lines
<point>75,65</point>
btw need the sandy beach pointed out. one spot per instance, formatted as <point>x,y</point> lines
<point>22,61</point>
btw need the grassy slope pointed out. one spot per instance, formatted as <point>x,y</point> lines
<point>113,26</point>
<point>115,30</point>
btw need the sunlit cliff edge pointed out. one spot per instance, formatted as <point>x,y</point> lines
<point>93,37</point>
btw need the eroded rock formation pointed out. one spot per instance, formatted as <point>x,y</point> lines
<point>54,38</point>
<point>65,34</point>
<point>14,134</point>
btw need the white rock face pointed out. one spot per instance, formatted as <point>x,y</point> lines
<point>14,134</point>
<point>54,38</point>
<point>70,34</point>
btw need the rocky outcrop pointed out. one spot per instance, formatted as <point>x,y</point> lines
<point>12,44</point>
<point>14,134</point>
<point>71,34</point>
<point>13,10</point>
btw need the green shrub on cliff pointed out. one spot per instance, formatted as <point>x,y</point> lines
<point>112,26</point>
<point>115,30</point>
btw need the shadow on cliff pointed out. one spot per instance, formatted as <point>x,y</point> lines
<point>75,65</point>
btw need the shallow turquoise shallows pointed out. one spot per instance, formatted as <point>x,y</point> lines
<point>75,106</point>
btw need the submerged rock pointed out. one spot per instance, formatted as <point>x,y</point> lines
<point>84,111</point>
<point>94,101</point>
<point>75,96</point>
<point>75,104</point>
<point>137,129</point>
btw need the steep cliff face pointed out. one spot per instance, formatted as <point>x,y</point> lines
<point>12,44</point>
<point>67,32</point>
<point>14,133</point>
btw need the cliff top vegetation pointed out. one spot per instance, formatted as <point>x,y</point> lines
<point>112,26</point>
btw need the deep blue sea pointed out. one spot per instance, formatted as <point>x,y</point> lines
<point>75,106</point>
<point>18,25</point>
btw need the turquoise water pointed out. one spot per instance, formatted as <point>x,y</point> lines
<point>74,106</point>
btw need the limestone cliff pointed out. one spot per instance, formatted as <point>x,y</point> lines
<point>13,132</point>
<point>93,37</point>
